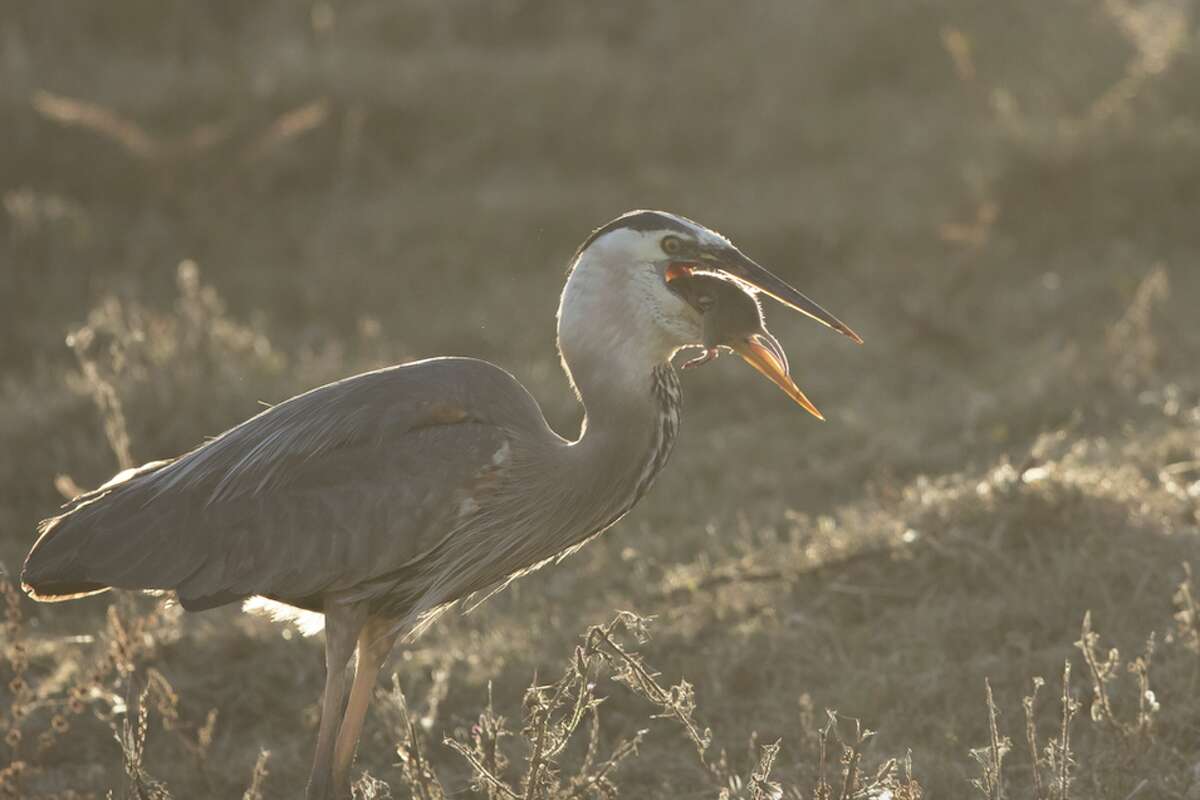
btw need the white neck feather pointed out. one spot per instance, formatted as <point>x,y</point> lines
<point>616,320</point>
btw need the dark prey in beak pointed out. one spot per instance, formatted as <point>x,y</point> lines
<point>734,319</point>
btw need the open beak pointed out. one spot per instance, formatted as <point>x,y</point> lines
<point>738,265</point>
<point>763,352</point>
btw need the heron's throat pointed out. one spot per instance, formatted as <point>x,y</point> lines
<point>624,390</point>
<point>625,441</point>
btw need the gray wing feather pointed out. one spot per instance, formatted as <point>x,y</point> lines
<point>256,455</point>
<point>313,495</point>
<point>345,517</point>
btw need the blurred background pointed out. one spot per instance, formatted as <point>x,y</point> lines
<point>208,206</point>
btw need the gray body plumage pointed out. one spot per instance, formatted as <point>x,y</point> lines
<point>406,488</point>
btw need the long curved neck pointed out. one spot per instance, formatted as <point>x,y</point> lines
<point>628,433</point>
<point>631,420</point>
<point>617,355</point>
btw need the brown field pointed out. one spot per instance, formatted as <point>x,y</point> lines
<point>211,205</point>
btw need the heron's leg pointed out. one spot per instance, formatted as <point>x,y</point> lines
<point>374,644</point>
<point>342,626</point>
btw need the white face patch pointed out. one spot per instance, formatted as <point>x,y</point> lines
<point>617,295</point>
<point>676,323</point>
<point>616,306</point>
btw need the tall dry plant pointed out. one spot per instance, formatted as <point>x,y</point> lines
<point>567,711</point>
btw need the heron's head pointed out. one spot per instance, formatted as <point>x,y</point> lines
<point>621,302</point>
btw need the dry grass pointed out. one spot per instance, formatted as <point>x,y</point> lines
<point>221,204</point>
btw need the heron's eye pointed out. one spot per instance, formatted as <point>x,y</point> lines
<point>705,302</point>
<point>671,245</point>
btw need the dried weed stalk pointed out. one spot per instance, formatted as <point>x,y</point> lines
<point>1030,705</point>
<point>1059,758</point>
<point>258,777</point>
<point>103,394</point>
<point>761,786</point>
<point>1187,618</point>
<point>893,778</point>
<point>416,773</point>
<point>1102,670</point>
<point>368,787</point>
<point>990,783</point>
<point>196,740</point>
<point>131,736</point>
<point>851,754</point>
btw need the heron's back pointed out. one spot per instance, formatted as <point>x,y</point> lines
<point>317,494</point>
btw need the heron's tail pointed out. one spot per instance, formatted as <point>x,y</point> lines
<point>50,573</point>
<point>84,550</point>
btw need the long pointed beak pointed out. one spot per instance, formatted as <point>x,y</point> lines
<point>746,269</point>
<point>763,352</point>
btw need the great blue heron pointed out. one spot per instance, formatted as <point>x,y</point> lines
<point>383,499</point>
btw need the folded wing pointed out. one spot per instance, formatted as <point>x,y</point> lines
<point>314,495</point>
